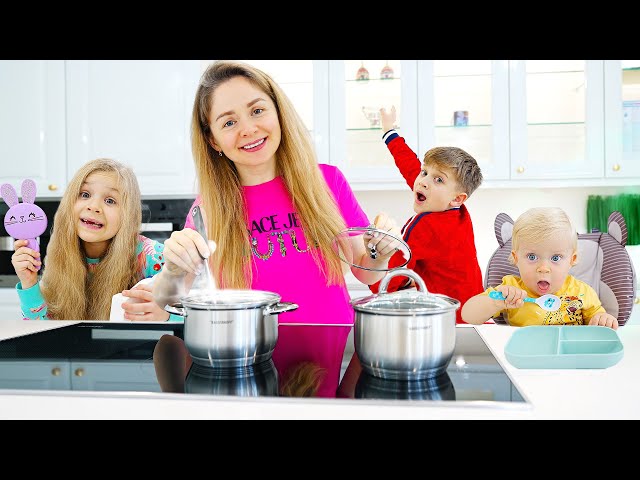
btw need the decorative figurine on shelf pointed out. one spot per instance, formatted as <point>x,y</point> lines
<point>372,115</point>
<point>387,72</point>
<point>26,220</point>
<point>363,73</point>
<point>460,118</point>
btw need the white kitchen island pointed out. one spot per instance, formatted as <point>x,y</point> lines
<point>612,393</point>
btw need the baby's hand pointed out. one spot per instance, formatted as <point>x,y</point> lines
<point>514,297</point>
<point>604,319</point>
<point>25,261</point>
<point>388,120</point>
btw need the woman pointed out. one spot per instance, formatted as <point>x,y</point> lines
<point>273,214</point>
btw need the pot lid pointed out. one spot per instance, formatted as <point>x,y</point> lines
<point>229,299</point>
<point>405,302</point>
<point>343,246</point>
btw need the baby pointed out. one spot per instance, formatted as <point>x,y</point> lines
<point>544,248</point>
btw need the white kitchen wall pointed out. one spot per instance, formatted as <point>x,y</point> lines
<point>485,204</point>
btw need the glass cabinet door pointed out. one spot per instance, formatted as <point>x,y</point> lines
<point>464,103</point>
<point>622,118</point>
<point>359,88</point>
<point>557,127</point>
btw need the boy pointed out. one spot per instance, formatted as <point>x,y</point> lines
<point>440,234</point>
<point>545,247</point>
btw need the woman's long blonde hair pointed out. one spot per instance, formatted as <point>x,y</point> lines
<point>70,293</point>
<point>221,191</point>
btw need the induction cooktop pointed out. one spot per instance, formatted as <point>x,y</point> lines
<point>119,357</point>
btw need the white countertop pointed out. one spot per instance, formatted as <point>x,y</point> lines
<point>612,393</point>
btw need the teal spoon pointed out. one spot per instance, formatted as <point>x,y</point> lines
<point>547,302</point>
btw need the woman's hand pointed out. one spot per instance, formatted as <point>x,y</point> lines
<point>144,309</point>
<point>25,262</point>
<point>184,252</point>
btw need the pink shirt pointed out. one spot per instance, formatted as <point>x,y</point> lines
<point>291,272</point>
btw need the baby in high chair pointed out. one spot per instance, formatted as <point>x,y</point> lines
<point>545,247</point>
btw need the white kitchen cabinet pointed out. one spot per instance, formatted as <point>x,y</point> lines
<point>35,375</point>
<point>137,112</point>
<point>622,118</point>
<point>63,374</point>
<point>114,376</point>
<point>355,131</point>
<point>527,123</point>
<point>556,119</point>
<point>32,124</point>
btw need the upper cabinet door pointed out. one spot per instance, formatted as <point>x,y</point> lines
<point>358,89</point>
<point>137,112</point>
<point>622,118</point>
<point>557,125</point>
<point>32,124</point>
<point>465,104</point>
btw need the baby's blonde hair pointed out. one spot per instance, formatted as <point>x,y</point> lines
<point>540,224</point>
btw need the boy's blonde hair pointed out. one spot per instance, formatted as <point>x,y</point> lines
<point>221,191</point>
<point>68,289</point>
<point>540,224</point>
<point>464,167</point>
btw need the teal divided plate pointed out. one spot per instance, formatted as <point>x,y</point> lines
<point>568,346</point>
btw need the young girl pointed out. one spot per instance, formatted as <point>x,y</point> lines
<point>273,212</point>
<point>94,252</point>
<point>545,247</point>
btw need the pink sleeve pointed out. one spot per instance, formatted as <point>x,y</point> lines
<point>350,209</point>
<point>189,222</point>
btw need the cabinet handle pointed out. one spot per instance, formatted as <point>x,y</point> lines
<point>79,372</point>
<point>520,169</point>
<point>53,187</point>
<point>56,371</point>
<point>637,301</point>
<point>616,167</point>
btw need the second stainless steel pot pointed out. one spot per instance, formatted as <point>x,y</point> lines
<point>406,334</point>
<point>231,328</point>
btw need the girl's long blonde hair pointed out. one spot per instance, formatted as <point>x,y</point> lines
<point>69,291</point>
<point>221,191</point>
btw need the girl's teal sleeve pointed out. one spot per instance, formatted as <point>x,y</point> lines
<point>154,264</point>
<point>32,303</point>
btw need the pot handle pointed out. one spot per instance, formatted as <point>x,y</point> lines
<point>280,307</point>
<point>407,272</point>
<point>176,309</point>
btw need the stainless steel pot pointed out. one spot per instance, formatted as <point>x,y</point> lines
<point>439,387</point>
<point>256,380</point>
<point>405,335</point>
<point>231,328</point>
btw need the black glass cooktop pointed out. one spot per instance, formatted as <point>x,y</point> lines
<point>119,357</point>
